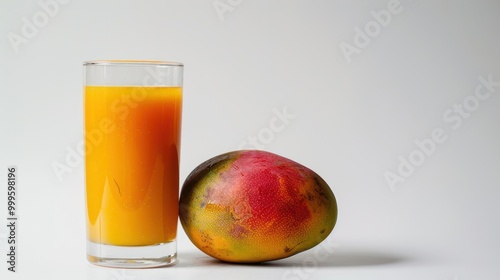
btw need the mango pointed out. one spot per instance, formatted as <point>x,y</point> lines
<point>254,206</point>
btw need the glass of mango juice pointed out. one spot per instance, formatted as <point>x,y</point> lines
<point>132,127</point>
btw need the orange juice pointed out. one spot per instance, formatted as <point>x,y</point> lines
<point>132,166</point>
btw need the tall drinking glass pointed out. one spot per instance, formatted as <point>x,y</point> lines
<point>132,144</point>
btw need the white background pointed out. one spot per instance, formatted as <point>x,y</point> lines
<point>351,122</point>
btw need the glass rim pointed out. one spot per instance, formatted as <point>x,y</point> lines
<point>131,63</point>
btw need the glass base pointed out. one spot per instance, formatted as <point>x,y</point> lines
<point>163,254</point>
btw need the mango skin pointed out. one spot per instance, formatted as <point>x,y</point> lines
<point>254,206</point>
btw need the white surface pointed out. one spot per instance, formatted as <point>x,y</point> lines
<point>351,122</point>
